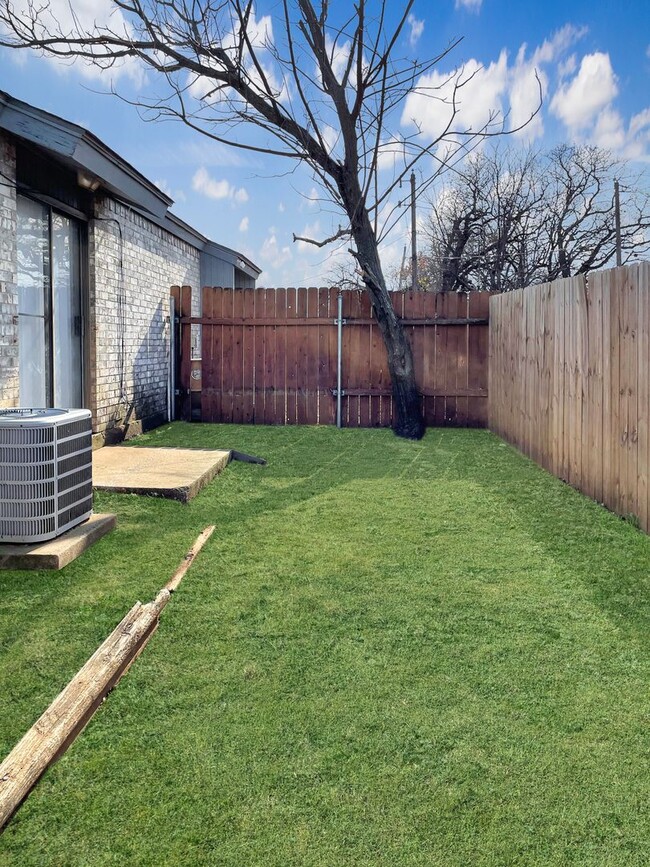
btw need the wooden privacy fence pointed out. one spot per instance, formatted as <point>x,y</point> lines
<point>570,378</point>
<point>269,356</point>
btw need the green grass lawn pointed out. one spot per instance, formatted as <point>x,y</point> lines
<point>389,653</point>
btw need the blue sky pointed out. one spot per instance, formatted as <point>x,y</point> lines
<point>593,59</point>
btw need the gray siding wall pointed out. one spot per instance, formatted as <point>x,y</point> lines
<point>216,272</point>
<point>243,280</point>
<point>8,268</point>
<point>133,263</point>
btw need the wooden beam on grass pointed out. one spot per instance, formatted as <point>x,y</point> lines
<point>72,709</point>
<point>189,558</point>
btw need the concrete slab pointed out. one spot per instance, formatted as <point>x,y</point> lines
<point>178,474</point>
<point>57,553</point>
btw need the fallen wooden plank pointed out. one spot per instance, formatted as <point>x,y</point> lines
<point>177,577</point>
<point>72,709</point>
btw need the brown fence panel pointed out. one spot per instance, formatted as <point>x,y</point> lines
<point>269,356</point>
<point>570,382</point>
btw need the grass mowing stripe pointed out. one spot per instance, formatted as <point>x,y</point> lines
<point>391,653</point>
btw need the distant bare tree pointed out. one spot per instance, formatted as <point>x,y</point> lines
<point>320,91</point>
<point>512,219</point>
<point>581,234</point>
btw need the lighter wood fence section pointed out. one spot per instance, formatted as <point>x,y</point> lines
<point>269,356</point>
<point>569,380</point>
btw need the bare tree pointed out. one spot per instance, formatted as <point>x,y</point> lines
<point>510,220</point>
<point>323,93</point>
<point>581,211</point>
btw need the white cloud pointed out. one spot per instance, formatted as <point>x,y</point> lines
<point>314,232</point>
<point>584,100</point>
<point>609,132</point>
<point>391,155</point>
<point>640,122</point>
<point>207,186</point>
<point>592,89</point>
<point>331,137</point>
<point>265,79</point>
<point>470,5</point>
<point>529,82</point>
<point>567,67</point>
<point>272,253</point>
<point>260,32</point>
<point>88,16</point>
<point>586,105</point>
<point>203,88</point>
<point>243,226</point>
<point>417,28</point>
<point>339,53</point>
<point>527,89</point>
<point>632,143</point>
<point>176,195</point>
<point>312,198</point>
<point>558,44</point>
<point>475,91</point>
<point>281,207</point>
<point>260,35</point>
<point>204,183</point>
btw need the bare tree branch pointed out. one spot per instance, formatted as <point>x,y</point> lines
<point>294,94</point>
<point>342,233</point>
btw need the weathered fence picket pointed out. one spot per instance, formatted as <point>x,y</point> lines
<point>269,356</point>
<point>569,382</point>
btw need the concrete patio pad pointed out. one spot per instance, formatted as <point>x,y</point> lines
<point>58,552</point>
<point>178,474</point>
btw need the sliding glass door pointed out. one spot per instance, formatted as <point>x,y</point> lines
<point>49,306</point>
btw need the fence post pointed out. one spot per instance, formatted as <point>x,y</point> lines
<point>171,385</point>
<point>185,378</point>
<point>339,352</point>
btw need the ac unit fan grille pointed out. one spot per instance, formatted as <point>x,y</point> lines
<point>74,480</point>
<point>77,444</point>
<point>75,462</point>
<point>33,473</point>
<point>77,511</point>
<point>26,454</point>
<point>45,473</point>
<point>26,509</point>
<point>26,436</point>
<point>73,496</point>
<point>73,428</point>
<point>26,491</point>
<point>11,530</point>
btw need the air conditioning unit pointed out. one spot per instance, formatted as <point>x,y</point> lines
<point>46,484</point>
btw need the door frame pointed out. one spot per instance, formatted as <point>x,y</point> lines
<point>84,296</point>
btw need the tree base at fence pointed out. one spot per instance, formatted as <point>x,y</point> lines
<point>409,421</point>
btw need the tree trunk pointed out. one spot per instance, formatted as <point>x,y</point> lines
<point>408,420</point>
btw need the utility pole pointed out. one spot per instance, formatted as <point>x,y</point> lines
<point>617,222</point>
<point>414,246</point>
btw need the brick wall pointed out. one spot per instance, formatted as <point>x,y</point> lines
<point>8,296</point>
<point>131,269</point>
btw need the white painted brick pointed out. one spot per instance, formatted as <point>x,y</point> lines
<point>8,297</point>
<point>152,260</point>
